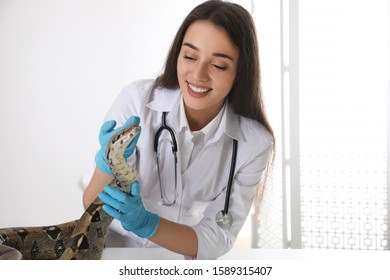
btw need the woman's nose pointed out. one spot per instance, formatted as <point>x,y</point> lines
<point>201,72</point>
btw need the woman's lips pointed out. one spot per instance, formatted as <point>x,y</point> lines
<point>197,91</point>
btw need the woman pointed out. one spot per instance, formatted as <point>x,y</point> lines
<point>210,91</point>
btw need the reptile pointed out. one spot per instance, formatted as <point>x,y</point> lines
<point>81,239</point>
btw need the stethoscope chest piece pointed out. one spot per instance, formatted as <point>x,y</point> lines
<point>224,221</point>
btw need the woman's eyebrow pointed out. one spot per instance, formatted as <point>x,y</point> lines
<point>214,54</point>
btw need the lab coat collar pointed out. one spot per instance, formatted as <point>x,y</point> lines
<point>231,124</point>
<point>164,100</point>
<point>211,130</point>
<point>167,100</point>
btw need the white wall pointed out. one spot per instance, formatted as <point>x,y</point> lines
<point>62,63</point>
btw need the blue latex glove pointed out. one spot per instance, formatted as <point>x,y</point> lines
<point>106,132</point>
<point>130,210</point>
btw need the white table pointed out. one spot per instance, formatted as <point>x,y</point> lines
<point>248,254</point>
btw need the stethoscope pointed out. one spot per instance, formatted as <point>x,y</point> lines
<point>223,218</point>
<point>173,143</point>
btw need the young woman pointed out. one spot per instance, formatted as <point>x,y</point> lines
<point>209,96</point>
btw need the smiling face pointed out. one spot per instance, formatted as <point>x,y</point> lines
<point>206,70</point>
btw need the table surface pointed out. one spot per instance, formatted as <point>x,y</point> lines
<point>245,254</point>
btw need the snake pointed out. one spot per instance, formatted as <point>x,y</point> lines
<point>80,239</point>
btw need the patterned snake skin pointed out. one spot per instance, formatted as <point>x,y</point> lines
<point>81,239</point>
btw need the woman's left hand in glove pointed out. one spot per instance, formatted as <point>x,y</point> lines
<point>129,210</point>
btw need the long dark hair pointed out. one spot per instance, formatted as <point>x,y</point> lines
<point>245,96</point>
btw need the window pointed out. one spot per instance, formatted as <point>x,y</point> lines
<point>325,68</point>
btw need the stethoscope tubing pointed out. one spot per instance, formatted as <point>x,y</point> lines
<point>163,127</point>
<point>231,175</point>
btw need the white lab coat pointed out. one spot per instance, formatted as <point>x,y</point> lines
<point>202,187</point>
